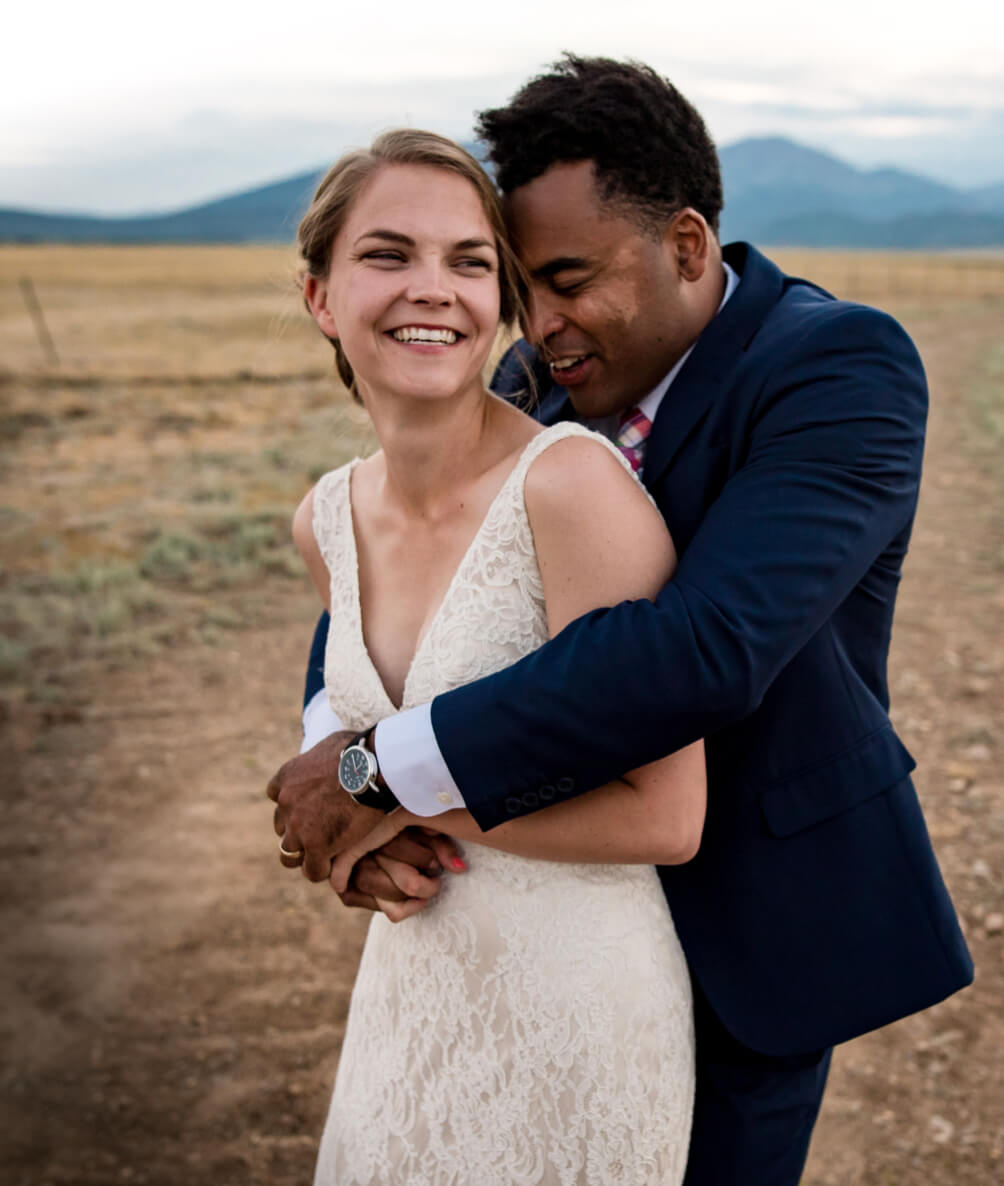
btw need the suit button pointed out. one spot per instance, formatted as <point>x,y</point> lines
<point>530,799</point>
<point>565,785</point>
<point>513,805</point>
<point>546,792</point>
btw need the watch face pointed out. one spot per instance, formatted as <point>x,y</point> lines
<point>354,769</point>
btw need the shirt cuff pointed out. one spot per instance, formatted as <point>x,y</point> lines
<point>412,765</point>
<point>319,721</point>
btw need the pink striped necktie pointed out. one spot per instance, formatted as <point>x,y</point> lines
<point>632,434</point>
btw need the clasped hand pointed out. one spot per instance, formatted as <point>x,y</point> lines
<point>379,862</point>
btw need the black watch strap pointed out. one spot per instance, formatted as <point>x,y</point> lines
<point>378,794</point>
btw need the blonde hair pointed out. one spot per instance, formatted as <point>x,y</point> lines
<point>345,180</point>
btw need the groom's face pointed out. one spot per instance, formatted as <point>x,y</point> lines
<point>607,303</point>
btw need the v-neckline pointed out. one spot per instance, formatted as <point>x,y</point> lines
<point>357,592</point>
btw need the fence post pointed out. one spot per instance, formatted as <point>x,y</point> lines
<point>34,308</point>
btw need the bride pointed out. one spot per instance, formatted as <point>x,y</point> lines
<point>533,1024</point>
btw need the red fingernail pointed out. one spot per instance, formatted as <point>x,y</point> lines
<point>459,865</point>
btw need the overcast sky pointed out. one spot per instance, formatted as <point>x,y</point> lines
<point>122,107</point>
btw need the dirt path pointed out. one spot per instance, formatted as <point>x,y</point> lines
<point>173,1000</point>
<point>920,1102</point>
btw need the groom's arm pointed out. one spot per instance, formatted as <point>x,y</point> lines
<point>410,851</point>
<point>319,719</point>
<point>411,759</point>
<point>831,478</point>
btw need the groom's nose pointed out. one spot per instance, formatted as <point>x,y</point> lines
<point>543,318</point>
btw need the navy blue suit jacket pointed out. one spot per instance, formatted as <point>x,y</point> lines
<point>786,461</point>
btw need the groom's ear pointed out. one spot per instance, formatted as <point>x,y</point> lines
<point>688,239</point>
<point>315,293</point>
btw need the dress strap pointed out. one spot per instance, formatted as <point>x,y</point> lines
<point>560,432</point>
<point>332,518</point>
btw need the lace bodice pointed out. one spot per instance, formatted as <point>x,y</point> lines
<point>534,1022</point>
<point>491,615</point>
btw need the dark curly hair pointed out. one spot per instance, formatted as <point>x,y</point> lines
<point>651,151</point>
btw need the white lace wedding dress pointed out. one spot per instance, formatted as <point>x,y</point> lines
<point>533,1025</point>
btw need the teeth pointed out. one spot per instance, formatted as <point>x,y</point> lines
<point>414,333</point>
<point>563,364</point>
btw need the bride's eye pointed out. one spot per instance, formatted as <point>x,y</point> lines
<point>474,263</point>
<point>384,256</point>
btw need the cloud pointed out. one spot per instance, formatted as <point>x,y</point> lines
<point>154,158</point>
<point>155,161</point>
<point>953,132</point>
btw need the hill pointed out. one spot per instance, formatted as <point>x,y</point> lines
<point>268,214</point>
<point>777,192</point>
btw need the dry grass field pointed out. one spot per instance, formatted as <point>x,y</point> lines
<point>172,1001</point>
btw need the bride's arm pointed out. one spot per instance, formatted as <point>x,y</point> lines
<point>599,541</point>
<point>306,545</point>
<point>652,816</point>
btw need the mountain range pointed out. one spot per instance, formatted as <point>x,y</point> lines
<point>777,193</point>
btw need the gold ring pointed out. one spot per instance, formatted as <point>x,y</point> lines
<point>295,856</point>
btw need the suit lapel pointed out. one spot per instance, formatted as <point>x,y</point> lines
<point>715,356</point>
<point>554,407</point>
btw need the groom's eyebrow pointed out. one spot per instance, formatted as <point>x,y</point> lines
<point>564,263</point>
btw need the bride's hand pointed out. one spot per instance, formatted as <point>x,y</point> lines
<point>396,873</point>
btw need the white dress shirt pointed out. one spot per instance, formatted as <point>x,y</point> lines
<point>407,751</point>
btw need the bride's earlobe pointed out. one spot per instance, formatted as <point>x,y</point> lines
<point>315,293</point>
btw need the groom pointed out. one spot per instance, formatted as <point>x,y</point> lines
<point>780,432</point>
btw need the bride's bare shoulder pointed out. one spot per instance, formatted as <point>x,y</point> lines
<point>599,539</point>
<point>577,474</point>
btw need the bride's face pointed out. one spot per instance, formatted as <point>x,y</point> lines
<point>412,293</point>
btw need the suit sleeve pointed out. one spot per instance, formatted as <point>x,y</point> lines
<point>314,679</point>
<point>830,477</point>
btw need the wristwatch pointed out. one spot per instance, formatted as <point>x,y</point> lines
<point>359,774</point>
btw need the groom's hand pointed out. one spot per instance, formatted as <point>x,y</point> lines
<point>407,867</point>
<point>314,818</point>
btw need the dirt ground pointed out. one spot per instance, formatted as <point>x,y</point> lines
<point>172,1000</point>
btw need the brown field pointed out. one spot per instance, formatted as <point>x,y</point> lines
<point>172,1000</point>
